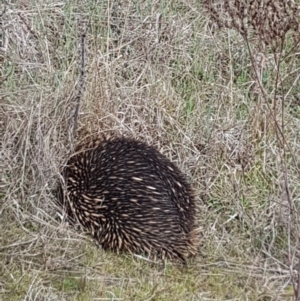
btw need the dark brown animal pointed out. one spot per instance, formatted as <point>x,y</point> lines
<point>132,198</point>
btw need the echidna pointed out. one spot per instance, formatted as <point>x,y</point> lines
<point>132,198</point>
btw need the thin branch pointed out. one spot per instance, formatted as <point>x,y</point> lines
<point>81,83</point>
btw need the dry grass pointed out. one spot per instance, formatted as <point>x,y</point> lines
<point>160,71</point>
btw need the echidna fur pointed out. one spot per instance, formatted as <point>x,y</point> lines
<point>132,198</point>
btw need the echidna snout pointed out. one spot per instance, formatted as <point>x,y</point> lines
<point>132,198</point>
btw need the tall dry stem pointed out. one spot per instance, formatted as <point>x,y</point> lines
<point>266,26</point>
